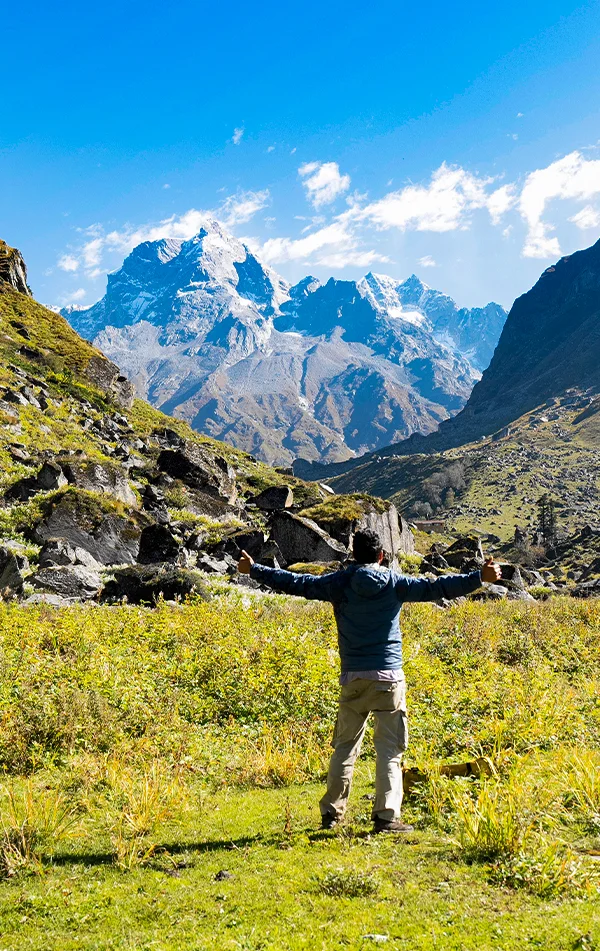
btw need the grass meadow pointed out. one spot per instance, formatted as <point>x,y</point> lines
<point>161,770</point>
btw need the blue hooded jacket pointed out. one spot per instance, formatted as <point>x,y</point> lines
<point>367,601</point>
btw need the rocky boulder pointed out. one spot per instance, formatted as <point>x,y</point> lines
<point>49,478</point>
<point>512,577</point>
<point>57,551</point>
<point>199,468</point>
<point>274,498</point>
<point>219,566</point>
<point>12,567</point>
<point>12,269</point>
<point>108,378</point>
<point>490,592</point>
<point>145,584</point>
<point>100,477</point>
<point>465,553</point>
<point>588,589</point>
<point>233,544</point>
<point>158,544</point>
<point>109,537</point>
<point>302,540</point>
<point>73,582</point>
<point>394,532</point>
<point>435,563</point>
<point>341,518</point>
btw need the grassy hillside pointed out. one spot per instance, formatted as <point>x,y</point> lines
<point>161,785</point>
<point>41,343</point>
<point>554,449</point>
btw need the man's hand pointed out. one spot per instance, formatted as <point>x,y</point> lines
<point>491,572</point>
<point>245,563</point>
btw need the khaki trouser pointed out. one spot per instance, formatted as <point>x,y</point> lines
<point>387,702</point>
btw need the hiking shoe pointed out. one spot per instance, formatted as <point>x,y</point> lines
<point>329,820</point>
<point>390,825</point>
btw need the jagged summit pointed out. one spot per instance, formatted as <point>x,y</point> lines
<point>322,370</point>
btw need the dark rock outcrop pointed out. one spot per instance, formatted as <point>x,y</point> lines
<point>50,477</point>
<point>73,582</point>
<point>57,551</point>
<point>100,477</point>
<point>302,540</point>
<point>12,269</point>
<point>466,553</point>
<point>146,584</point>
<point>588,589</point>
<point>158,544</point>
<point>112,539</point>
<point>108,378</point>
<point>275,498</point>
<point>12,567</point>
<point>199,468</point>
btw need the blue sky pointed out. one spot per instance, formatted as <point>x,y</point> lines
<point>459,141</point>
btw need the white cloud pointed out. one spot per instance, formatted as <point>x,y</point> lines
<point>335,236</point>
<point>342,259</point>
<point>323,182</point>
<point>68,263</point>
<point>427,261</point>
<point>588,217</point>
<point>237,209</point>
<point>166,185</point>
<point>73,297</point>
<point>573,177</point>
<point>237,136</point>
<point>499,202</point>
<point>443,205</point>
<point>91,252</point>
<point>271,148</point>
<point>334,245</point>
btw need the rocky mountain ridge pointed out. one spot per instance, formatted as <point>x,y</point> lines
<point>322,371</point>
<point>104,497</point>
<point>549,346</point>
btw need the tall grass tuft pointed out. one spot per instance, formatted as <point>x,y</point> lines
<point>32,822</point>
<point>499,818</point>
<point>144,801</point>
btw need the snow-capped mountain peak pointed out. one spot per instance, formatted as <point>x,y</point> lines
<point>382,292</point>
<point>324,370</point>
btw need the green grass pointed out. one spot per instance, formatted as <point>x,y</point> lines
<point>291,887</point>
<point>144,751</point>
<point>504,478</point>
<point>344,507</point>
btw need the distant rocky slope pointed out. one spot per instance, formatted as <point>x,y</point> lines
<point>326,372</point>
<point>102,496</point>
<point>550,344</point>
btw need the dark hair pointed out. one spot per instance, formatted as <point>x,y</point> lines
<point>366,547</point>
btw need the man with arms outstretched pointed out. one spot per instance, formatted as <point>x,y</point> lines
<point>367,599</point>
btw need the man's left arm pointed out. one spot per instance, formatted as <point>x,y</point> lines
<point>447,586</point>
<point>313,587</point>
